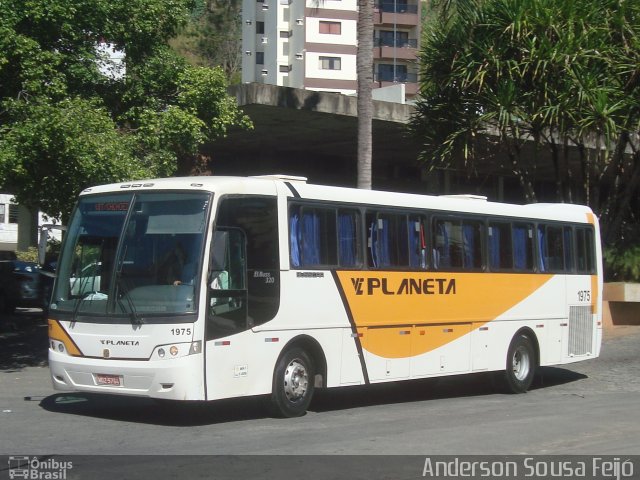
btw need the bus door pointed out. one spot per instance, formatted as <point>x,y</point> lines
<point>227,284</point>
<point>226,313</point>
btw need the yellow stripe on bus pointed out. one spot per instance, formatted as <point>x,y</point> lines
<point>57,332</point>
<point>421,311</point>
<point>594,278</point>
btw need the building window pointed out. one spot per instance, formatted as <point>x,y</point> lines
<point>331,28</point>
<point>259,58</point>
<point>284,68</point>
<point>2,213</point>
<point>330,63</point>
<point>286,34</point>
<point>13,213</point>
<point>259,28</point>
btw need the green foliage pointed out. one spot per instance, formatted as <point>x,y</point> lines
<point>213,36</point>
<point>559,74</point>
<point>65,124</point>
<point>53,150</point>
<point>622,265</point>
<point>30,255</point>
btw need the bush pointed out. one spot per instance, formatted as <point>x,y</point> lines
<point>30,255</point>
<point>622,265</point>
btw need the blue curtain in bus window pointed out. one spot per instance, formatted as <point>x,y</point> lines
<point>520,248</point>
<point>469,245</point>
<point>384,255</point>
<point>542,249</point>
<point>347,239</point>
<point>310,238</point>
<point>494,248</point>
<point>294,235</point>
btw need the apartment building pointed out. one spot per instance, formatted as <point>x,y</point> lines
<point>312,44</point>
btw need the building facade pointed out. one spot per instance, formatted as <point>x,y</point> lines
<point>312,44</point>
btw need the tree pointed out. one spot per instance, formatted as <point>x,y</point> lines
<point>561,75</point>
<point>364,68</point>
<point>68,120</point>
<point>213,36</point>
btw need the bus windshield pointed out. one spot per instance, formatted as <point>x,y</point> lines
<point>133,255</point>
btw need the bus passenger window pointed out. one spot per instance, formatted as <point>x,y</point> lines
<point>458,244</point>
<point>523,247</point>
<point>312,237</point>
<point>417,243</point>
<point>500,246</point>
<point>388,240</point>
<point>585,254</point>
<point>550,240</point>
<point>348,255</point>
<point>568,248</point>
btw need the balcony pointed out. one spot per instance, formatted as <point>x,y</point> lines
<point>387,78</point>
<point>398,43</point>
<point>401,49</point>
<point>400,77</point>
<point>396,13</point>
<point>398,6</point>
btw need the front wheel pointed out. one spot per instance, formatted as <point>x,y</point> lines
<point>293,384</point>
<point>520,364</point>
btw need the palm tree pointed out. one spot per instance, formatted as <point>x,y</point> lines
<point>364,68</point>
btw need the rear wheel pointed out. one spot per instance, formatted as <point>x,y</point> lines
<point>293,384</point>
<point>520,365</point>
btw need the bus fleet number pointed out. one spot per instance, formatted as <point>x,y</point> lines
<point>180,331</point>
<point>584,295</point>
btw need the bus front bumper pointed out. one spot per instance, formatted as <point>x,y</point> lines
<point>174,379</point>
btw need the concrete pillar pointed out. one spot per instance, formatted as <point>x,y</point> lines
<point>27,228</point>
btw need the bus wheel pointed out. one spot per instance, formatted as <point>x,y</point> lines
<point>521,365</point>
<point>292,384</point>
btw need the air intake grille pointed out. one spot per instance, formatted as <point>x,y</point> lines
<point>580,330</point>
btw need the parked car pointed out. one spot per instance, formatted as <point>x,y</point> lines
<point>19,285</point>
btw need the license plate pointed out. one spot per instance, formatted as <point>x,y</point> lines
<point>112,380</point>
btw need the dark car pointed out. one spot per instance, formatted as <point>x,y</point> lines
<point>19,285</point>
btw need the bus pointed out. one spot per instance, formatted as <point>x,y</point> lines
<point>207,288</point>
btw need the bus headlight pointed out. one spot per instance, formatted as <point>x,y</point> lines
<point>57,346</point>
<point>176,350</point>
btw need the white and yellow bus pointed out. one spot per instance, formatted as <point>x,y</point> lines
<point>216,287</point>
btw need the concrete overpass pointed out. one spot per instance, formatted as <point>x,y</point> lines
<point>314,134</point>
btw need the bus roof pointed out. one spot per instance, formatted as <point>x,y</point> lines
<point>297,187</point>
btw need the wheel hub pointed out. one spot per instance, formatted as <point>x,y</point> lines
<point>296,381</point>
<point>521,363</point>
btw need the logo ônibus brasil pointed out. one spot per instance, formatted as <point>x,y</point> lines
<point>35,468</point>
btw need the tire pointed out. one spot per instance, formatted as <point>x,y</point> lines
<point>520,365</point>
<point>293,384</point>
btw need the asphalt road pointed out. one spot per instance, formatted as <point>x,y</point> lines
<point>585,408</point>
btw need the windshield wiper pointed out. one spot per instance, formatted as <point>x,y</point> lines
<point>120,288</point>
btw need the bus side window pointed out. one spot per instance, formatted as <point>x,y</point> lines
<point>500,246</point>
<point>585,254</point>
<point>312,237</point>
<point>522,247</point>
<point>551,242</point>
<point>417,243</point>
<point>348,254</point>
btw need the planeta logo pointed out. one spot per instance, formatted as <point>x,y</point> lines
<point>406,286</point>
<point>125,343</point>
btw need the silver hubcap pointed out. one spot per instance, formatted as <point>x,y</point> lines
<point>521,363</point>
<point>296,380</point>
